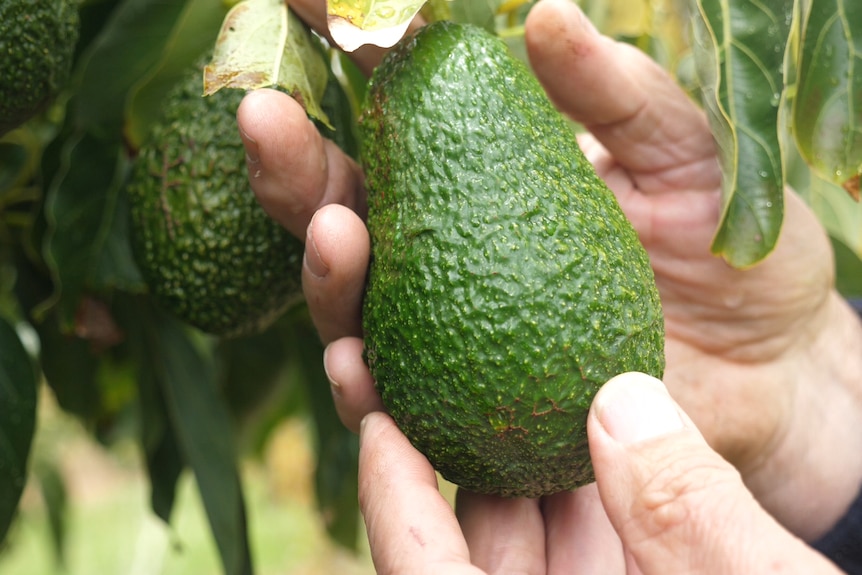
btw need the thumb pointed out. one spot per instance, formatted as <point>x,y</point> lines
<point>677,506</point>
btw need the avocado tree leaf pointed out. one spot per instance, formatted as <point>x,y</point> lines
<point>480,13</point>
<point>340,108</point>
<point>337,448</point>
<point>739,49</point>
<point>20,153</point>
<point>435,10</point>
<point>114,265</point>
<point>86,246</point>
<point>263,44</point>
<point>204,431</point>
<point>827,106</point>
<point>52,488</point>
<point>193,35</point>
<point>354,23</point>
<point>163,456</point>
<point>68,364</point>
<point>70,369</point>
<point>128,45</point>
<point>18,421</point>
<point>848,269</point>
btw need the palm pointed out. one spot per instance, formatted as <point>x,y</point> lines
<point>729,330</point>
<point>653,147</point>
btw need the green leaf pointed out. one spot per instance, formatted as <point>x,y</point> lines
<point>739,48</point>
<point>481,13</point>
<point>354,23</point>
<point>835,209</point>
<point>127,47</point>
<point>18,406</point>
<point>70,370</point>
<point>68,364</point>
<point>250,370</point>
<point>827,110</point>
<point>336,476</point>
<point>87,247</point>
<point>204,431</point>
<point>162,454</point>
<point>339,108</point>
<point>52,487</point>
<point>20,152</point>
<point>115,266</point>
<point>263,44</point>
<point>848,270</point>
<point>193,35</point>
<point>435,10</point>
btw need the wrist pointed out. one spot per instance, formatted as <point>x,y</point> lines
<point>814,472</point>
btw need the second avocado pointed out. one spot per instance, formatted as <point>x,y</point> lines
<point>506,285</point>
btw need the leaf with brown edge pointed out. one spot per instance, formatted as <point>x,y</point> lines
<point>264,44</point>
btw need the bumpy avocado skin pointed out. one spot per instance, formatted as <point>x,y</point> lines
<point>207,250</point>
<point>37,45</point>
<point>506,285</point>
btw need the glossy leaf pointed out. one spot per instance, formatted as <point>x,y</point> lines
<point>848,270</point>
<point>159,442</point>
<point>827,107</point>
<point>263,44</point>
<point>435,10</point>
<point>337,448</point>
<point>193,35</point>
<point>126,48</point>
<point>87,247</point>
<point>204,431</point>
<point>338,106</point>
<point>17,423</point>
<point>70,369</point>
<point>52,487</point>
<point>355,23</point>
<point>739,48</point>
<point>481,13</point>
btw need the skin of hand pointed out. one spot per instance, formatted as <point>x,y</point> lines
<point>677,505</point>
<point>767,361</point>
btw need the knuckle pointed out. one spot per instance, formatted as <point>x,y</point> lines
<point>682,497</point>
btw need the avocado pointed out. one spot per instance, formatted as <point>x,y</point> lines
<point>505,284</point>
<point>37,46</point>
<point>207,250</point>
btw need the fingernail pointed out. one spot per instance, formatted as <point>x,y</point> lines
<point>334,386</point>
<point>634,407</point>
<point>312,259</point>
<point>252,153</point>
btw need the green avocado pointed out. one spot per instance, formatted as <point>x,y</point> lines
<point>208,252</point>
<point>37,45</point>
<point>505,285</point>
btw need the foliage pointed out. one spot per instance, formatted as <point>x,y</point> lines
<point>780,80</point>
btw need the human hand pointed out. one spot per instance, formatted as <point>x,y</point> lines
<point>761,343</point>
<point>677,506</point>
<point>753,356</point>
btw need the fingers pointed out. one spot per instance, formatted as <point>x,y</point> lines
<point>352,385</point>
<point>292,169</point>
<point>337,249</point>
<point>411,528</point>
<point>665,490</point>
<point>578,532</point>
<point>644,119</point>
<point>504,535</point>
